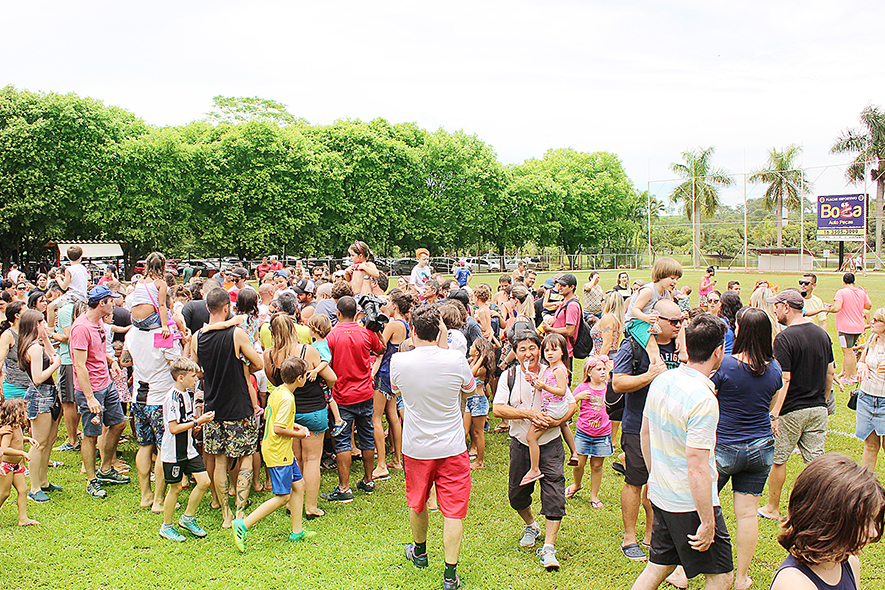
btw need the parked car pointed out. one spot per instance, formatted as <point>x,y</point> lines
<point>442,264</point>
<point>402,267</point>
<point>484,265</point>
<point>171,266</point>
<point>205,267</point>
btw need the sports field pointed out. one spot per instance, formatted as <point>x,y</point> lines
<point>85,543</point>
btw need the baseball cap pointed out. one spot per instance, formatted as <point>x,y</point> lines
<point>100,292</point>
<point>281,273</point>
<point>548,284</point>
<point>567,279</point>
<point>240,272</point>
<point>304,286</point>
<point>460,295</point>
<point>791,297</point>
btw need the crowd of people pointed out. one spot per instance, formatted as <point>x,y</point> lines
<point>232,386</point>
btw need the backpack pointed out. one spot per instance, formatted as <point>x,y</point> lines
<point>613,398</point>
<point>582,345</point>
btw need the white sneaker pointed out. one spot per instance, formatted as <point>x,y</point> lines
<point>529,535</point>
<point>548,559</point>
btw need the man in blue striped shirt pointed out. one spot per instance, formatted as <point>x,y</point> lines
<point>678,439</point>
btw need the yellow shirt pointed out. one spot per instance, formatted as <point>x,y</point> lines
<point>276,449</point>
<point>302,332</point>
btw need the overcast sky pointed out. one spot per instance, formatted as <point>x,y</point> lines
<point>644,80</point>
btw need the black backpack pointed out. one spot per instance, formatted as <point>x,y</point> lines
<point>583,343</point>
<point>613,398</point>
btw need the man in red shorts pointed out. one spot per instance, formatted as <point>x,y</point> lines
<point>434,383</point>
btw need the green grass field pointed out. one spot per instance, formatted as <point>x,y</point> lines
<point>85,543</point>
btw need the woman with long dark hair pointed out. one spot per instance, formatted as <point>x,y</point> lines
<point>39,362</point>
<point>729,305</point>
<point>746,383</point>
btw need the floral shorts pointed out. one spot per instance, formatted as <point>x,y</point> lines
<point>7,468</point>
<point>231,439</point>
<point>149,425</point>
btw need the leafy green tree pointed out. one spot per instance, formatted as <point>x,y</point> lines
<point>786,184</point>
<point>58,159</point>
<point>698,193</point>
<point>868,141</point>
<point>242,109</point>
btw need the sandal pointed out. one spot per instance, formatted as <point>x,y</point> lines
<point>633,552</point>
<point>527,480</point>
<point>502,428</point>
<point>56,464</point>
<point>595,504</point>
<point>570,493</point>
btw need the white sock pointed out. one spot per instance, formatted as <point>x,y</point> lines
<point>547,547</point>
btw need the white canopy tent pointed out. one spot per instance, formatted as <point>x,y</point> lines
<point>92,249</point>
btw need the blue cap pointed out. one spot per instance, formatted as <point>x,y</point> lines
<point>101,292</point>
<point>281,273</point>
<point>549,283</point>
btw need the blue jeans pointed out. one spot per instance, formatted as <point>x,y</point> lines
<point>359,417</point>
<point>747,464</point>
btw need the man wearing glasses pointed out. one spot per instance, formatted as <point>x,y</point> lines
<point>632,375</point>
<point>814,305</point>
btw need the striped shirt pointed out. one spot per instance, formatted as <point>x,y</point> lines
<point>682,412</point>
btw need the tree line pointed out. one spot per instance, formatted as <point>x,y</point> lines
<point>251,179</point>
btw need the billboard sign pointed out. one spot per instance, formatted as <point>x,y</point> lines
<point>842,218</point>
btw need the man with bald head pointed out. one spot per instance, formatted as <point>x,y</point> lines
<point>631,376</point>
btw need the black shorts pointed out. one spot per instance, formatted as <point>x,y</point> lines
<point>669,543</point>
<point>636,472</point>
<point>172,472</point>
<point>66,383</point>
<point>552,484</point>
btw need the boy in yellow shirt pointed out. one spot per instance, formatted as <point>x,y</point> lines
<point>276,448</point>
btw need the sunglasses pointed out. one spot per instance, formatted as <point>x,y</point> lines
<point>674,322</point>
<point>712,300</point>
<point>805,283</point>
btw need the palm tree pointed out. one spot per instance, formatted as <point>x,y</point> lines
<point>786,185</point>
<point>869,143</point>
<point>698,191</point>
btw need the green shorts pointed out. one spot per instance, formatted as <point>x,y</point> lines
<point>805,428</point>
<point>638,329</point>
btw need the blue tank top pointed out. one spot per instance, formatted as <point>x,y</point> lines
<point>384,369</point>
<point>846,583</point>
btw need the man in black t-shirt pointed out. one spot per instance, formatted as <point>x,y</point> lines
<point>799,413</point>
<point>634,385</point>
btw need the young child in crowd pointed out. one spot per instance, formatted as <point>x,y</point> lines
<point>593,436</point>
<point>683,298</point>
<point>482,365</point>
<point>641,319</point>
<point>13,419</point>
<point>552,386</point>
<point>320,325</point>
<point>177,451</point>
<point>453,319</point>
<point>288,486</point>
<point>363,268</point>
<point>836,508</point>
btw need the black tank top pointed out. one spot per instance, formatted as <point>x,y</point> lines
<point>846,583</point>
<point>309,398</point>
<point>224,384</point>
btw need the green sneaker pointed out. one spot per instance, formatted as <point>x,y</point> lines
<point>167,531</point>
<point>240,530</point>
<point>190,523</point>
<point>304,534</point>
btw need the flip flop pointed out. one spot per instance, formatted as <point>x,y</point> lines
<point>526,480</point>
<point>596,504</point>
<point>633,552</point>
<point>570,493</point>
<point>380,477</point>
<point>759,513</point>
<point>573,462</point>
<point>502,428</point>
<point>314,516</point>
<point>393,466</point>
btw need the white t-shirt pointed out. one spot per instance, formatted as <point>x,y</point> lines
<point>14,274</point>
<point>150,365</point>
<point>420,275</point>
<point>431,381</point>
<point>177,447</point>
<point>525,397</point>
<point>79,281</point>
<point>457,341</point>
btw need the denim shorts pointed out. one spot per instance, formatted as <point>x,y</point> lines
<point>112,411</point>
<point>149,323</point>
<point>478,405</point>
<point>316,422</point>
<point>870,415</point>
<point>358,418</point>
<point>40,399</point>
<point>747,464</point>
<point>593,446</point>
<point>384,387</point>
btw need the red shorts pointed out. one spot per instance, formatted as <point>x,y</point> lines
<point>452,478</point>
<point>7,468</point>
